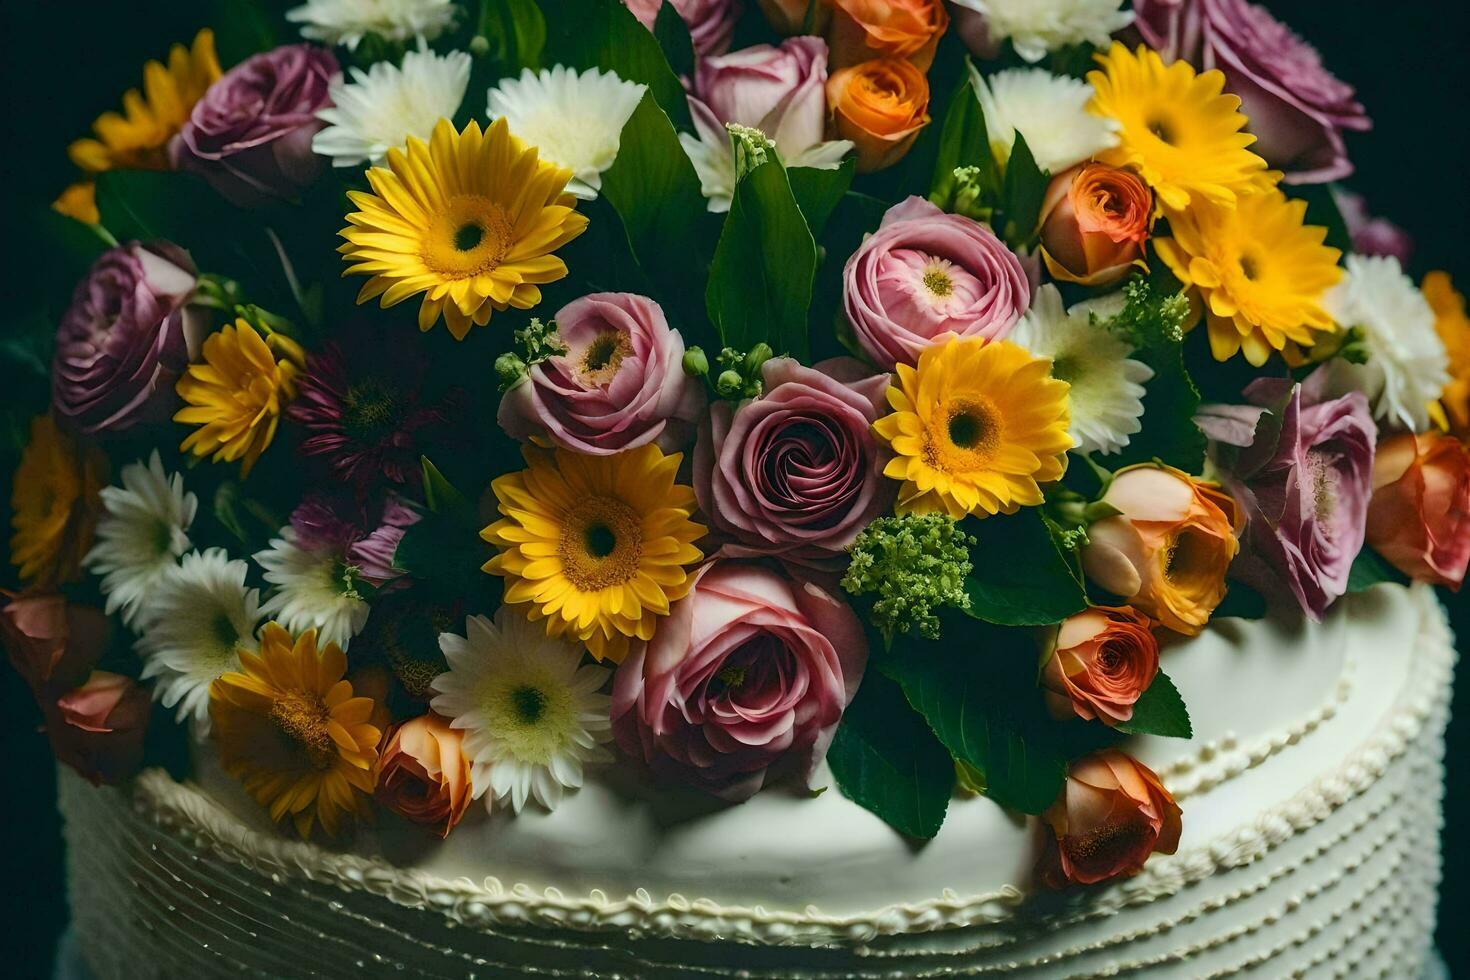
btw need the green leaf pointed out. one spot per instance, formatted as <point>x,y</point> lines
<point>516,31</point>
<point>673,37</point>
<point>1021,576</point>
<point>885,759</point>
<point>817,192</point>
<point>1169,403</point>
<point>1370,569</point>
<point>603,34</point>
<point>439,493</point>
<point>760,283</point>
<point>1241,602</point>
<point>1024,190</point>
<point>241,28</point>
<point>963,142</point>
<point>1159,711</point>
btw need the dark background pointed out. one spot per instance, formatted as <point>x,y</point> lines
<point>66,62</point>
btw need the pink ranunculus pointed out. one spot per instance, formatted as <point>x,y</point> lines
<point>250,135</point>
<point>925,274</point>
<point>746,680</point>
<point>52,643</point>
<point>621,384</point>
<point>711,22</point>
<point>126,338</point>
<point>797,471</point>
<point>98,728</point>
<point>1296,107</point>
<point>1304,490</point>
<point>782,91</point>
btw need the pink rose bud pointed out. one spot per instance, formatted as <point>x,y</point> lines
<point>1111,815</point>
<point>1100,663</point>
<point>98,728</point>
<point>782,91</point>
<point>1419,517</point>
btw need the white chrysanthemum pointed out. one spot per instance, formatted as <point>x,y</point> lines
<point>1407,367</point>
<point>141,534</point>
<point>347,22</point>
<point>197,618</point>
<point>1049,110</point>
<point>314,589</point>
<point>1107,385</point>
<point>713,156</point>
<point>530,709</point>
<point>385,105</point>
<point>574,120</point>
<point>1038,26</point>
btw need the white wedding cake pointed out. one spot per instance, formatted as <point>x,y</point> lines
<point>1313,783</point>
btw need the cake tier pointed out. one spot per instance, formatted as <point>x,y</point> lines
<point>1311,848</point>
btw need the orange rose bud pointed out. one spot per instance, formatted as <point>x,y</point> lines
<point>866,29</point>
<point>789,17</point>
<point>1094,223</point>
<point>1111,815</point>
<point>1100,663</point>
<point>98,728</point>
<point>880,105</point>
<point>1419,516</point>
<point>1167,551</point>
<point>424,774</point>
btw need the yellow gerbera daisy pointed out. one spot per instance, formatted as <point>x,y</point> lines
<point>469,221</point>
<point>1452,412</point>
<point>1176,128</point>
<point>1260,272</point>
<point>595,545</point>
<point>137,139</point>
<point>54,503</point>
<point>236,395</point>
<point>290,730</point>
<point>976,427</point>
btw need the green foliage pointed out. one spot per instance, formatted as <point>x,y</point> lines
<point>1022,194</point>
<point>964,142</point>
<point>1022,577</point>
<point>673,38</point>
<point>597,34</point>
<point>1322,210</point>
<point>1370,569</point>
<point>1241,602</point>
<point>1159,711</point>
<point>917,565</point>
<point>885,759</point>
<point>514,33</point>
<point>444,551</point>
<point>818,192</point>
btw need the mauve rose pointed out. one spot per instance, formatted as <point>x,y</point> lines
<point>747,678</point>
<point>621,384</point>
<point>1297,109</point>
<point>1111,815</point>
<point>797,471</point>
<point>424,775</point>
<point>126,338</point>
<point>250,136</point>
<point>782,91</point>
<point>98,728</point>
<point>53,644</point>
<point>1303,488</point>
<point>925,274</point>
<point>1419,517</point>
<point>1372,235</point>
<point>711,22</point>
<point>1100,662</point>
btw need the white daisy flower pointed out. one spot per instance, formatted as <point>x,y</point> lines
<point>1107,385</point>
<point>315,588</point>
<point>1036,27</point>
<point>1049,110</point>
<point>1407,367</point>
<point>347,22</point>
<point>141,534</point>
<point>575,121</point>
<point>380,108</point>
<point>197,618</point>
<point>529,708</point>
<point>713,156</point>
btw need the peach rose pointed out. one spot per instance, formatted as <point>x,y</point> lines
<point>866,29</point>
<point>1111,815</point>
<point>789,17</point>
<point>51,643</point>
<point>880,106</point>
<point>1419,516</point>
<point>1167,551</point>
<point>425,775</point>
<point>98,728</point>
<point>1100,663</point>
<point>1094,223</point>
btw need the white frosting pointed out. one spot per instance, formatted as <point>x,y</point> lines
<point>1311,798</point>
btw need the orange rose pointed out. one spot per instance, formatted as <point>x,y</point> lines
<point>1100,663</point>
<point>98,728</point>
<point>866,29</point>
<point>1453,327</point>
<point>1094,223</point>
<point>880,105</point>
<point>1168,549</point>
<point>789,17</point>
<point>424,774</point>
<point>1419,517</point>
<point>1111,815</point>
<point>51,644</point>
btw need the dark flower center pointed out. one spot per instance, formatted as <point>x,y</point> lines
<point>371,410</point>
<point>601,541</point>
<point>468,236</point>
<point>529,704</point>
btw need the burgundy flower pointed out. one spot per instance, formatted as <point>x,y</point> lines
<point>1296,107</point>
<point>126,338</point>
<point>367,540</point>
<point>1372,235</point>
<point>98,728</point>
<point>797,471</point>
<point>250,136</point>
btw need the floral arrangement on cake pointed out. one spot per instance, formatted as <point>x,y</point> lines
<point>457,397</point>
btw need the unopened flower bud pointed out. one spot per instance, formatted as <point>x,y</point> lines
<point>696,363</point>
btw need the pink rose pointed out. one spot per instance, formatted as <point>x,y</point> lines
<point>1100,663</point>
<point>797,471</point>
<point>51,643</point>
<point>926,274</point>
<point>711,22</point>
<point>748,675</point>
<point>782,91</point>
<point>1112,814</point>
<point>621,384</point>
<point>98,728</point>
